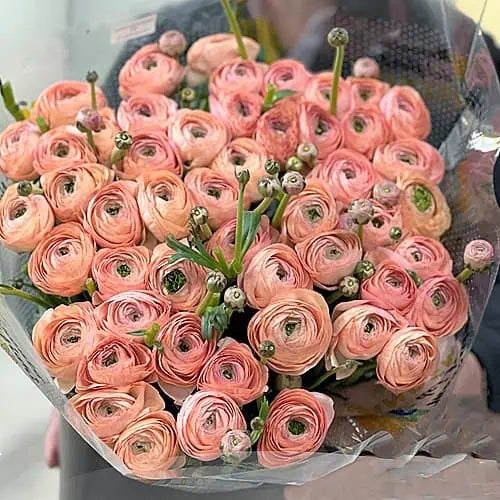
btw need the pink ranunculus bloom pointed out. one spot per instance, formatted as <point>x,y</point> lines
<point>236,446</point>
<point>298,323</point>
<point>61,263</point>
<point>296,427</point>
<point>105,139</point>
<point>204,419</point>
<point>117,270</point>
<point>234,371</point>
<point>367,92</point>
<point>273,269</point>
<point>61,147</point>
<point>330,256</point>
<point>69,190</point>
<point>62,337</point>
<point>149,446</point>
<point>377,233</point>
<point>311,212</point>
<point>185,353</point>
<point>288,74</point>
<point>113,218</point>
<point>109,411</point>
<point>366,67</point>
<point>25,221</point>
<point>183,283</point>
<point>408,360</point>
<point>237,75</point>
<point>144,110</point>
<point>150,70</point>
<point>198,136</point>
<point>410,156</point>
<point>17,145</point>
<point>441,306</point>
<point>406,113</point>
<point>60,103</point>
<point>319,88</point>
<point>479,255</point>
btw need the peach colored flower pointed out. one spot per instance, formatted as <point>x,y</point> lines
<point>423,206</point>
<point>105,139</point>
<point>60,103</point>
<point>441,306</point>
<point>311,212</point>
<point>330,256</point>
<point>149,446</point>
<point>391,287</point>
<point>237,75</point>
<point>296,427</point>
<point>115,362</point>
<point>198,136</point>
<point>69,190</point>
<point>234,371</point>
<point>109,411</point>
<point>204,419</point>
<point>377,233</point>
<point>273,269</point>
<point>319,127</point>
<point>183,282</point>
<point>61,263</point>
<point>408,360</point>
<point>145,111</point>
<point>209,52</point>
<point>348,174</point>
<point>17,146</point>
<point>150,70</point>
<point>61,147</point>
<point>236,446</point>
<point>242,154</point>
<point>367,92</point>
<point>184,354</point>
<point>131,311</point>
<point>409,156</point>
<point>365,129</point>
<point>318,91</point>
<point>113,218</point>
<point>298,323</point>
<point>165,204</point>
<point>288,74</point>
<point>117,270</point>
<point>406,113</point>
<point>151,150</point>
<point>239,110</point>
<point>62,337</point>
<point>25,221</point>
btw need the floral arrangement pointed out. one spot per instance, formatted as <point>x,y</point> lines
<point>238,242</point>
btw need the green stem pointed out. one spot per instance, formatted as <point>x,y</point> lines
<point>206,232</point>
<point>214,301</point>
<point>238,246</point>
<point>42,124</point>
<point>465,275</point>
<point>205,303</point>
<point>369,366</point>
<point>280,211</point>
<point>263,206</point>
<point>90,139</point>
<point>321,380</point>
<point>10,101</point>
<point>24,295</point>
<point>334,296</point>
<point>235,28</point>
<point>224,266</point>
<point>116,156</point>
<point>337,71</point>
<point>268,99</point>
<point>93,96</point>
<point>360,233</point>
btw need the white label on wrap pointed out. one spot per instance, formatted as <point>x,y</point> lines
<point>135,29</point>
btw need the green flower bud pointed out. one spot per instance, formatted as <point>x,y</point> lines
<point>269,187</point>
<point>92,76</point>
<point>188,94</point>
<point>294,164</point>
<point>235,298</point>
<point>349,286</point>
<point>272,167</point>
<point>257,424</point>
<point>123,140</point>
<point>293,183</point>
<point>338,37</point>
<point>395,234</point>
<point>307,152</point>
<point>24,188</point>
<point>216,282</point>
<point>199,216</point>
<point>243,177</point>
<point>364,270</point>
<point>267,349</point>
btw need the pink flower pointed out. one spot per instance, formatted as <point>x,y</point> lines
<point>173,43</point>
<point>367,92</point>
<point>479,255</point>
<point>237,75</point>
<point>105,139</point>
<point>288,74</point>
<point>377,233</point>
<point>236,446</point>
<point>318,91</point>
<point>366,67</point>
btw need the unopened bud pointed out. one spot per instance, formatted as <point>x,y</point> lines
<point>293,183</point>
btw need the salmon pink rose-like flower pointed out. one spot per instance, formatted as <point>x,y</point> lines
<point>287,74</point>
<point>366,67</point>
<point>183,283</point>
<point>441,306</point>
<point>62,337</point>
<point>409,156</point>
<point>185,353</point>
<point>113,218</point>
<point>408,360</point>
<point>149,446</point>
<point>61,263</point>
<point>144,111</point>
<point>377,233</point>
<point>298,323</point>
<point>17,145</point>
<point>198,137</point>
<point>150,70</point>
<point>237,75</point>
<point>60,103</point>
<point>318,91</point>
<point>406,113</point>
<point>295,428</point>
<point>234,371</point>
<point>117,270</point>
<point>69,190</point>
<point>271,270</point>
<point>204,419</point>
<point>367,92</point>
<point>25,221</point>
<point>62,147</point>
<point>109,411</point>
<point>105,138</point>
<point>330,256</point>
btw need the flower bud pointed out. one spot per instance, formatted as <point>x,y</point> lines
<point>386,193</point>
<point>89,120</point>
<point>91,286</point>
<point>173,43</point>
<point>216,282</point>
<point>257,424</point>
<point>415,277</point>
<point>479,255</point>
<point>269,187</point>
<point>366,67</point>
<point>361,211</point>
<point>364,270</point>
<point>288,382</point>
<point>92,76</point>
<point>243,177</point>
<point>236,446</point>
<point>24,188</point>
<point>188,94</point>
<point>349,286</point>
<point>395,234</point>
<point>346,223</point>
<point>199,216</point>
<point>123,140</point>
<point>338,37</point>
<point>267,349</point>
<point>294,164</point>
<point>272,167</point>
<point>235,298</point>
<point>293,183</point>
<point>307,152</point>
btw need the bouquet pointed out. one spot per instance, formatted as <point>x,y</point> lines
<point>228,257</point>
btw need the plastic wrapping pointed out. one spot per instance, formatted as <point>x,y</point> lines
<point>443,55</point>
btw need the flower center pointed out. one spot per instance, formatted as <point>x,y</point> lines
<point>333,253</point>
<point>349,174</point>
<point>280,272</point>
<point>291,327</point>
<point>438,300</point>
<point>286,77</point>
<point>369,327</point>
<point>148,151</point>
<point>62,150</point>
<point>314,213</point>
<point>413,351</point>
<point>163,194</point>
<point>417,256</point>
<point>174,281</point>
<point>69,186</point>
<point>198,132</point>
<point>184,346</point>
<point>238,160</point>
<point>358,124</point>
<point>377,222</point>
<point>107,410</point>
<point>124,270</point>
<point>149,64</point>
<point>113,210</point>
<point>422,198</point>
<point>144,111</point>
<point>365,94</point>
<point>394,282</point>
<point>111,360</point>
<point>209,422</point>
<point>407,157</point>
<point>321,127</point>
<point>63,251</point>
<point>71,337</point>
<point>140,447</point>
<point>20,212</point>
<point>279,126</point>
<point>243,109</point>
<point>296,427</point>
<point>214,192</point>
<point>227,372</point>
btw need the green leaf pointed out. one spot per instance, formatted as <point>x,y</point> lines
<point>187,253</point>
<point>251,223</point>
<point>263,408</point>
<point>255,436</point>
<point>10,102</point>
<point>42,124</point>
<point>214,318</point>
<point>281,94</point>
<point>138,333</point>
